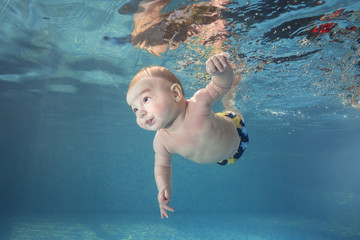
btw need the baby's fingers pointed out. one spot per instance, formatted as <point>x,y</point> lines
<point>213,65</point>
<point>163,211</point>
<point>210,67</point>
<point>226,54</point>
<point>219,62</point>
<point>222,57</point>
<point>167,207</point>
<point>222,62</point>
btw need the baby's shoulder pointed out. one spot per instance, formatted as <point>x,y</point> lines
<point>197,108</point>
<point>161,137</point>
<point>158,137</point>
<point>198,95</point>
<point>159,142</point>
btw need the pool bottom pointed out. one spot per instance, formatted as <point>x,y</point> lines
<point>181,226</point>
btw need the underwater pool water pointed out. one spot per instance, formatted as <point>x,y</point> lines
<point>74,164</point>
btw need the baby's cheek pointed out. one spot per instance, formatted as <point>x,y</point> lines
<point>138,122</point>
<point>164,110</point>
<point>158,108</point>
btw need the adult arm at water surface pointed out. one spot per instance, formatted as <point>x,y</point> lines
<point>163,176</point>
<point>149,28</point>
<point>156,30</point>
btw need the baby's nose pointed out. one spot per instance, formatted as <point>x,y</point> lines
<point>142,113</point>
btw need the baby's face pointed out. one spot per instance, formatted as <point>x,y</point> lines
<point>152,102</point>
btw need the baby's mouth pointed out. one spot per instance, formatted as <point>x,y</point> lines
<point>149,122</point>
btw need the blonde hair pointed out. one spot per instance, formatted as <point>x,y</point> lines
<point>155,71</point>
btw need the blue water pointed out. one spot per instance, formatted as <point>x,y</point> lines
<point>74,164</point>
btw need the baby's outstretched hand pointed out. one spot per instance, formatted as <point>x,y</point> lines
<point>218,64</point>
<point>164,200</point>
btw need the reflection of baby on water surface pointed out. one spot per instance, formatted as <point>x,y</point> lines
<point>157,31</point>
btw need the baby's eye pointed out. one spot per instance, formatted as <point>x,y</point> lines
<point>135,110</point>
<point>146,99</point>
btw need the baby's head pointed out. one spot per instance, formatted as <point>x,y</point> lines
<point>155,72</point>
<point>156,97</point>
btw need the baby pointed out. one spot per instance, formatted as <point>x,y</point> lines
<point>186,127</point>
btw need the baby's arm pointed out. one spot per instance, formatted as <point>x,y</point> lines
<point>222,79</point>
<point>162,171</point>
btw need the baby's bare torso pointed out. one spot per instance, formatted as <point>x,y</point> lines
<point>203,136</point>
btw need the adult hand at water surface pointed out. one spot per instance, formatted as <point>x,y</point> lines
<point>164,200</point>
<point>218,64</point>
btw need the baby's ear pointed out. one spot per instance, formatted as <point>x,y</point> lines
<point>177,91</point>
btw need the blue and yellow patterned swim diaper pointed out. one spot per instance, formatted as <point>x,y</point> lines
<point>244,138</point>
